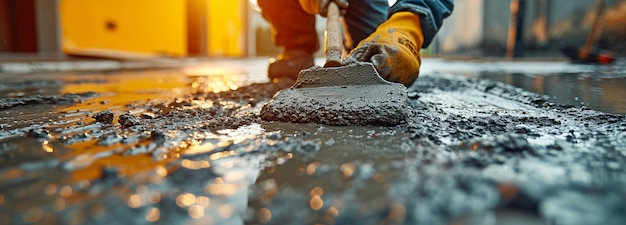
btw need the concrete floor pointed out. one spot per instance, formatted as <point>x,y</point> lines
<point>186,145</point>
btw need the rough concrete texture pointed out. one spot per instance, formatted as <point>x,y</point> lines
<point>348,95</point>
<point>471,151</point>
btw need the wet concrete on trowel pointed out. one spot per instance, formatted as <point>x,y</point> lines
<point>348,95</point>
<point>473,151</point>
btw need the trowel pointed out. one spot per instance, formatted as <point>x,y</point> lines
<point>338,94</point>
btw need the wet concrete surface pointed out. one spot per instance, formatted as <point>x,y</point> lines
<point>188,146</point>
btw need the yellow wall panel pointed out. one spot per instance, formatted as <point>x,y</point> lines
<point>133,26</point>
<point>226,27</point>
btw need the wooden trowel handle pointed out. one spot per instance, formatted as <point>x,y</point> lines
<point>596,28</point>
<point>333,43</point>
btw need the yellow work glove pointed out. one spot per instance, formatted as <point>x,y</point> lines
<point>393,48</point>
<point>321,6</point>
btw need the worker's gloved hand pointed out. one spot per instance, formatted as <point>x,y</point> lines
<point>393,48</point>
<point>321,6</point>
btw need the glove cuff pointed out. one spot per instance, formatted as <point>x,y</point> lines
<point>407,23</point>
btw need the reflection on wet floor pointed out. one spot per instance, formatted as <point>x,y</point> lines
<point>57,146</point>
<point>594,90</point>
<point>600,87</point>
<point>351,163</point>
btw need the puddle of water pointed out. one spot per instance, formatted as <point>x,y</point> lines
<point>595,90</point>
<point>599,87</point>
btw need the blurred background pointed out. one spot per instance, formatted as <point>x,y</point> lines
<point>235,28</point>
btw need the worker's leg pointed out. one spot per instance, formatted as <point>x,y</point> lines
<point>363,17</point>
<point>294,30</point>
